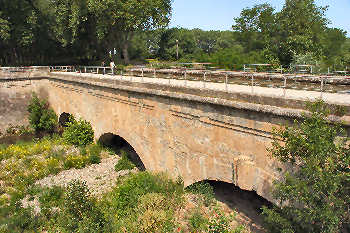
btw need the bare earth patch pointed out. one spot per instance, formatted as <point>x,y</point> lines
<point>100,178</point>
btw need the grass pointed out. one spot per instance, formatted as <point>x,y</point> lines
<point>139,202</point>
<point>124,163</point>
<point>26,162</point>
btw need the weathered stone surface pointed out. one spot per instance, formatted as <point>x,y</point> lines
<point>183,132</point>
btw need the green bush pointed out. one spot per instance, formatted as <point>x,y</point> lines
<point>41,117</point>
<point>204,189</point>
<point>124,163</point>
<point>75,161</point>
<point>219,222</point>
<point>95,153</point>
<point>125,197</point>
<point>78,132</point>
<point>197,222</point>
<point>154,212</point>
<point>49,198</point>
<point>80,212</point>
<point>313,195</point>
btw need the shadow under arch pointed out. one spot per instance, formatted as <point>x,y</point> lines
<point>64,118</point>
<point>247,204</point>
<point>117,143</point>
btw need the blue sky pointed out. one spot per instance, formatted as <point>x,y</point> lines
<point>219,14</point>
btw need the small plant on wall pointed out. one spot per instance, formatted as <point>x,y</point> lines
<point>41,117</point>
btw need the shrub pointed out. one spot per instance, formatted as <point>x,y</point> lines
<point>197,222</point>
<point>41,117</point>
<point>95,153</point>
<point>219,222</point>
<point>80,212</point>
<point>50,198</point>
<point>75,161</point>
<point>313,195</point>
<point>78,132</point>
<point>125,197</point>
<point>152,211</point>
<point>124,163</point>
<point>204,189</point>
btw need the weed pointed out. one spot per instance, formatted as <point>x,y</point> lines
<point>95,153</point>
<point>197,222</point>
<point>204,189</point>
<point>124,163</point>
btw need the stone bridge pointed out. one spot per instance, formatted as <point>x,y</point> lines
<point>196,133</point>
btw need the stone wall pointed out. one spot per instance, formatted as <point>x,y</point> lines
<point>14,99</point>
<point>194,139</point>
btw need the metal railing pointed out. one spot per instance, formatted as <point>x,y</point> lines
<point>321,84</point>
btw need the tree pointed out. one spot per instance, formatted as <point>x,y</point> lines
<point>255,26</point>
<point>4,28</point>
<point>314,194</point>
<point>41,117</point>
<point>121,19</point>
<point>301,25</point>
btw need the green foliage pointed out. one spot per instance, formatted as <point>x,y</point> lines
<point>41,117</point>
<point>154,211</point>
<point>95,153</point>
<point>124,163</point>
<point>78,132</point>
<point>75,161</point>
<point>80,212</point>
<point>220,222</point>
<point>197,222</point>
<point>204,189</point>
<point>50,198</point>
<point>144,201</point>
<point>314,193</point>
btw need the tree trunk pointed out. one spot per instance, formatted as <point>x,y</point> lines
<point>125,52</point>
<point>125,46</point>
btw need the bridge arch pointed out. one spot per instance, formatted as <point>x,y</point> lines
<point>117,143</point>
<point>64,118</point>
<point>247,204</point>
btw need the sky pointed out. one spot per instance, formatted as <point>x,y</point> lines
<point>219,14</point>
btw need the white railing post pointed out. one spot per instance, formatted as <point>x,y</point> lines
<point>205,73</point>
<point>284,86</point>
<point>226,82</point>
<point>252,83</point>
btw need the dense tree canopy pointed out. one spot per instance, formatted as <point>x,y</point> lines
<point>45,32</point>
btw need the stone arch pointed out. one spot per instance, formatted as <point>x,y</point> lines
<point>243,173</point>
<point>64,118</point>
<point>116,143</point>
<point>247,203</point>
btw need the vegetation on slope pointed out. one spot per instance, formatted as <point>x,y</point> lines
<point>314,194</point>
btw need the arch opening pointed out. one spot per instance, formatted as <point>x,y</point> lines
<point>247,204</point>
<point>64,119</point>
<point>117,143</point>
